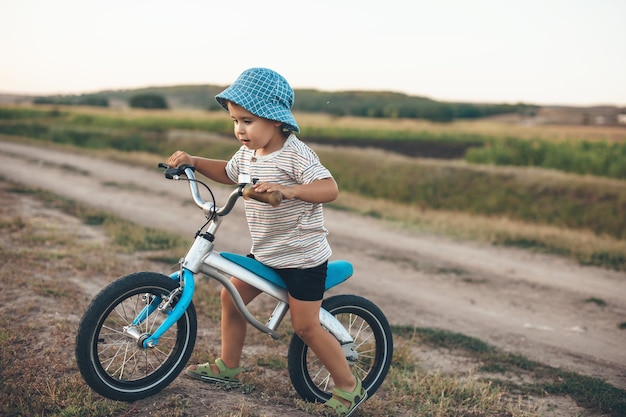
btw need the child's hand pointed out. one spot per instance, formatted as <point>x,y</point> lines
<point>269,187</point>
<point>319,191</point>
<point>179,158</point>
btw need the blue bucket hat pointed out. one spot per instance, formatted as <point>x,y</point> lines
<point>264,93</point>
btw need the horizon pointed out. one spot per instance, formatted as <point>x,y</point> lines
<point>544,52</point>
<point>321,90</point>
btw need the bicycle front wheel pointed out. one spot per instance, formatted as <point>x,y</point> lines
<point>115,364</point>
<point>373,343</point>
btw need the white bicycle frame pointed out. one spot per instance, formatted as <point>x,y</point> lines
<point>202,258</point>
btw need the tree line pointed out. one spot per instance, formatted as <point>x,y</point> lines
<point>397,105</point>
<point>374,104</point>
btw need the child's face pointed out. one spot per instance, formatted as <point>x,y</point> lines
<point>254,132</point>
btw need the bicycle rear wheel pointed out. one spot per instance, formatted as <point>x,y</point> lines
<point>373,343</point>
<point>114,364</point>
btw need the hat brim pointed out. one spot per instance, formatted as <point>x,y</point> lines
<point>265,109</point>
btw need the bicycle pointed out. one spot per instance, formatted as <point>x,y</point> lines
<point>138,333</point>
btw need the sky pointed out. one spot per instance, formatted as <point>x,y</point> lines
<point>570,52</point>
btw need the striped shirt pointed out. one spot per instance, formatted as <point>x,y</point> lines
<point>291,235</point>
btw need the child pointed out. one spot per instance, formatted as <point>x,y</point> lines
<point>290,238</point>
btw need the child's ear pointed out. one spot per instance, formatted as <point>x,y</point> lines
<point>278,124</point>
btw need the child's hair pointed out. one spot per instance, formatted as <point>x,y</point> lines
<point>264,93</point>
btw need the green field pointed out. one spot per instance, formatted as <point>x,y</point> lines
<point>556,189</point>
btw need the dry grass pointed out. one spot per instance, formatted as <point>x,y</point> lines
<point>495,230</point>
<point>40,377</point>
<point>581,245</point>
<point>494,128</point>
<point>68,261</point>
<point>36,324</point>
<point>131,113</point>
<point>514,127</point>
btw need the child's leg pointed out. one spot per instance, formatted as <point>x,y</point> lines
<point>234,324</point>
<point>306,324</point>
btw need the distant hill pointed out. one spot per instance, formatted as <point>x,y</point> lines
<point>178,97</point>
<point>349,103</point>
<point>15,99</point>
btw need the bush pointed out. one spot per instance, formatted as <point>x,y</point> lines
<point>544,197</point>
<point>82,100</point>
<point>584,157</point>
<point>148,101</point>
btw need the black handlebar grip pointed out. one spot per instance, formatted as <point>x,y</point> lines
<point>171,172</point>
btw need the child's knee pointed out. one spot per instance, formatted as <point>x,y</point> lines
<point>227,301</point>
<point>305,330</point>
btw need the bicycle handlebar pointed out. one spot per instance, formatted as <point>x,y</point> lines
<point>246,190</point>
<point>274,198</point>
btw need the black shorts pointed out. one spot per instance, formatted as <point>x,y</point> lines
<point>304,284</point>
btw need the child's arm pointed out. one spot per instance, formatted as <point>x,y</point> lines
<point>319,191</point>
<point>214,169</point>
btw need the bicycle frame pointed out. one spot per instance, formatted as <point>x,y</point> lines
<point>202,258</point>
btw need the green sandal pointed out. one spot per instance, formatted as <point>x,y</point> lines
<point>204,372</point>
<point>355,398</point>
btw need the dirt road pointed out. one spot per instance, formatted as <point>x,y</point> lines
<point>516,300</point>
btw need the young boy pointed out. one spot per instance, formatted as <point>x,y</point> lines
<point>290,238</point>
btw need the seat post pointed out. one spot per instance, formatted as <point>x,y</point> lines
<point>277,315</point>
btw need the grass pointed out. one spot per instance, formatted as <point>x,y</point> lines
<point>581,149</point>
<point>582,157</point>
<point>597,301</point>
<point>33,338</point>
<point>584,246</point>
<point>589,392</point>
<point>126,235</point>
<point>41,339</point>
<point>488,128</point>
<point>530,195</point>
<point>490,390</point>
<point>534,196</point>
<point>545,211</point>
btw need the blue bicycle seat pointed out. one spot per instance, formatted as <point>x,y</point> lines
<point>338,270</point>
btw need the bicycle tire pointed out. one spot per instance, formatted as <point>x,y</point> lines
<point>114,364</point>
<point>373,342</point>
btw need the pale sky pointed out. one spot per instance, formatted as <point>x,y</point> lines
<point>534,51</point>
